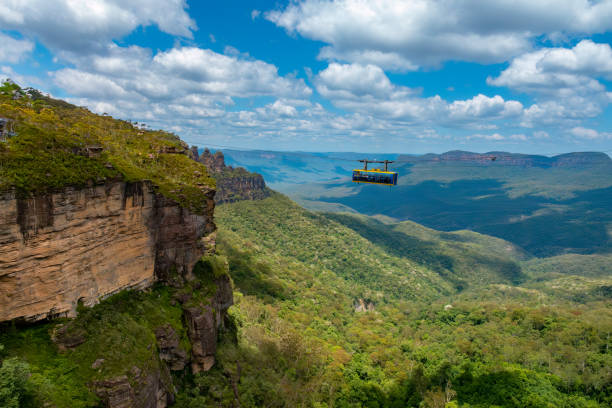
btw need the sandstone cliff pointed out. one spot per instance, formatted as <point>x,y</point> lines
<point>233,184</point>
<point>92,206</point>
<point>81,245</point>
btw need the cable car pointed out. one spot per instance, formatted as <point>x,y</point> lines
<point>375,176</point>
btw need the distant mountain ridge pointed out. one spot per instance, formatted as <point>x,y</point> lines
<point>284,169</point>
<point>546,205</point>
<point>514,159</point>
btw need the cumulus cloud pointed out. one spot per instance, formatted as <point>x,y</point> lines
<point>366,89</point>
<point>494,136</point>
<point>188,90</point>
<point>12,50</point>
<point>88,24</point>
<point>564,81</point>
<point>586,133</point>
<point>215,73</point>
<point>354,81</point>
<point>390,60</point>
<point>554,70</point>
<point>402,35</point>
<point>483,106</point>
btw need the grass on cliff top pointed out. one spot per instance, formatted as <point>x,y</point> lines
<point>49,150</point>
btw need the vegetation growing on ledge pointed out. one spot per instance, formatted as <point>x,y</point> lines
<point>120,330</point>
<point>58,144</point>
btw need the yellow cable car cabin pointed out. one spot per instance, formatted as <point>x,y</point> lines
<point>375,176</point>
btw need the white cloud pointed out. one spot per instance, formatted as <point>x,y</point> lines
<point>84,25</point>
<point>390,60</point>
<point>13,50</point>
<point>354,81</point>
<point>555,70</point>
<point>564,82</point>
<point>404,34</point>
<point>366,89</point>
<point>88,85</point>
<point>586,133</point>
<point>186,88</point>
<point>484,106</point>
<point>282,108</point>
<point>213,73</point>
<point>494,136</point>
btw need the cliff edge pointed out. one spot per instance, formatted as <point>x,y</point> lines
<point>77,246</point>
<point>91,205</point>
<point>233,184</point>
<point>92,211</point>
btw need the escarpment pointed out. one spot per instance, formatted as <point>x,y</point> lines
<point>92,207</point>
<point>80,245</point>
<point>233,184</point>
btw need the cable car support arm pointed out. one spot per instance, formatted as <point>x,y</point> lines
<point>365,163</point>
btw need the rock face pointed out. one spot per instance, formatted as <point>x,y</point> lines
<point>203,323</point>
<point>81,245</point>
<point>144,390</point>
<point>361,305</point>
<point>233,184</point>
<point>215,163</point>
<point>170,351</point>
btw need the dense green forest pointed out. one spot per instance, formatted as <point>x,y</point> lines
<point>338,310</point>
<point>303,337</point>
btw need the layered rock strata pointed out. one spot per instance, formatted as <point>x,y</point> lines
<point>152,389</point>
<point>203,323</point>
<point>233,184</point>
<point>80,245</point>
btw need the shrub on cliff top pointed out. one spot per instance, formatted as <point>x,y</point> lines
<point>58,144</point>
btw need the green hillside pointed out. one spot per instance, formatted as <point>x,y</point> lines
<point>579,278</point>
<point>303,339</point>
<point>323,244</point>
<point>571,264</point>
<point>60,145</point>
<point>465,258</point>
<point>340,310</point>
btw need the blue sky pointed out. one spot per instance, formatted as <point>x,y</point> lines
<point>329,75</point>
